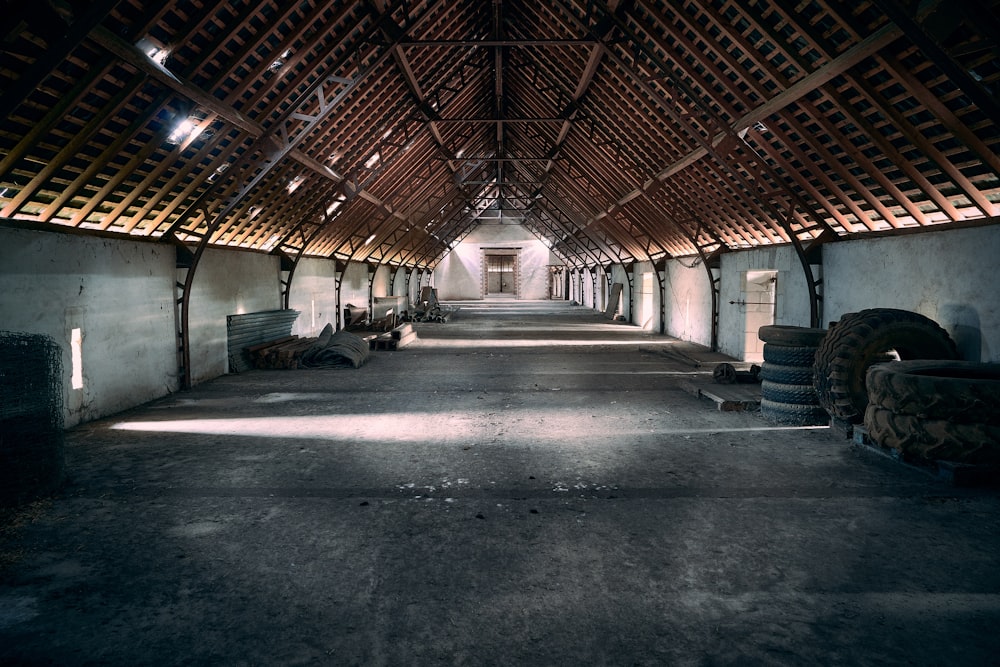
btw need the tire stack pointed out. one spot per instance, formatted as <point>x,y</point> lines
<point>860,340</point>
<point>787,392</point>
<point>936,410</point>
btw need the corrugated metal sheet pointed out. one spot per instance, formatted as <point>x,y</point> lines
<point>249,329</point>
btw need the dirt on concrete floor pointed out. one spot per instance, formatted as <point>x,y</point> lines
<point>525,485</point>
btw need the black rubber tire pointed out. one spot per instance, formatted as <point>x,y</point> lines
<point>933,439</point>
<point>793,415</point>
<point>798,394</point>
<point>959,391</point>
<point>780,334</point>
<point>860,340</point>
<point>786,374</point>
<point>786,355</point>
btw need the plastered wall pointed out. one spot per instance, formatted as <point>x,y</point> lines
<point>458,276</point>
<point>227,283</point>
<point>121,293</point>
<point>687,299</point>
<point>314,295</point>
<point>118,293</point>
<point>951,276</point>
<point>792,307</point>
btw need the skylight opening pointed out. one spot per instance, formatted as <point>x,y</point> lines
<point>185,131</point>
<point>155,51</point>
<point>279,62</point>
<point>334,206</point>
<point>294,184</point>
<point>373,160</point>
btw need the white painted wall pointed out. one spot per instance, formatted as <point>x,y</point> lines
<point>791,292</point>
<point>119,293</point>
<point>458,276</point>
<point>354,288</point>
<point>314,295</point>
<point>227,283</point>
<point>687,294</point>
<point>951,276</point>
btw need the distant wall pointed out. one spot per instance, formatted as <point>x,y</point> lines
<point>458,276</point>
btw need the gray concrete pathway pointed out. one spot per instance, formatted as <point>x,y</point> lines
<point>527,485</point>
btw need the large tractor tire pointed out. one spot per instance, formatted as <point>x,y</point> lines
<point>798,394</point>
<point>860,340</point>
<point>780,334</point>
<point>786,374</point>
<point>789,355</point>
<point>933,439</point>
<point>958,391</point>
<point>793,414</point>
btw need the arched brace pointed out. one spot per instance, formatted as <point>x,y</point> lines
<point>393,272</point>
<point>595,301</point>
<point>630,277</point>
<point>609,279</point>
<point>808,257</point>
<point>372,270</point>
<point>185,263</point>
<point>713,266</point>
<point>660,270</point>
<point>420,280</point>
<point>286,273</point>
<point>339,269</point>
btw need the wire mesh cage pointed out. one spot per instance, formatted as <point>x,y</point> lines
<point>31,416</point>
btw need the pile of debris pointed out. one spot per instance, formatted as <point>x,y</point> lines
<point>428,309</point>
<point>336,350</point>
<point>396,339</point>
<point>340,349</point>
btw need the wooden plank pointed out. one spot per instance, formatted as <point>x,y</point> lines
<point>616,293</point>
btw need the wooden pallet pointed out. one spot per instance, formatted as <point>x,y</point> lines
<point>283,353</point>
<point>393,340</point>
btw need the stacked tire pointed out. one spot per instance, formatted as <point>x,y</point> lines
<point>860,340</point>
<point>787,392</point>
<point>936,410</point>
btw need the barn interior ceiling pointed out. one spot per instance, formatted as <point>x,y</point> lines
<point>385,131</point>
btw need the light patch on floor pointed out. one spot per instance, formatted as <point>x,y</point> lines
<point>400,427</point>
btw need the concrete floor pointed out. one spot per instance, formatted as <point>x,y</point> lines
<point>525,486</point>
